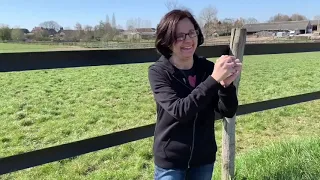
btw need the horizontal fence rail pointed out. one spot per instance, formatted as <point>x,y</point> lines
<point>68,59</point>
<point>69,150</point>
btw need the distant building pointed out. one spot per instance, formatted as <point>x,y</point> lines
<point>146,33</point>
<point>139,33</point>
<point>50,32</point>
<point>300,27</point>
<point>315,25</point>
<point>67,34</point>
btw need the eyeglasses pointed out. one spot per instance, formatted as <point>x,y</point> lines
<point>191,34</point>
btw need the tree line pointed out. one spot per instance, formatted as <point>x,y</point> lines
<point>105,30</point>
<point>108,30</point>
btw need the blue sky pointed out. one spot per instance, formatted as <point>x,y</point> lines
<point>27,14</point>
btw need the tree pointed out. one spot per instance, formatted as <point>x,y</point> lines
<point>79,31</point>
<point>279,17</point>
<point>17,35</point>
<point>239,22</point>
<point>88,33</point>
<point>317,17</point>
<point>138,23</point>
<point>171,4</point>
<point>251,20</point>
<point>174,4</point>
<point>227,25</point>
<point>114,24</point>
<point>119,27</point>
<point>107,19</point>
<point>146,24</point>
<point>298,17</point>
<point>208,17</point>
<point>50,25</point>
<point>5,33</point>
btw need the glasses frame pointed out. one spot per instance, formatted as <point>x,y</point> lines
<point>189,34</point>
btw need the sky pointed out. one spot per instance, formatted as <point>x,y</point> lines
<point>28,14</point>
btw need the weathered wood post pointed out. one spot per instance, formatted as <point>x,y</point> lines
<point>237,44</point>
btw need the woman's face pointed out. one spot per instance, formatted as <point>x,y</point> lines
<point>185,44</point>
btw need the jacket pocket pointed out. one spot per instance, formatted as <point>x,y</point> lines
<point>177,150</point>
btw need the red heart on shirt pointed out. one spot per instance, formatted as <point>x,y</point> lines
<point>192,80</point>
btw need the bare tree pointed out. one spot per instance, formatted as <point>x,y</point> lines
<point>88,34</point>
<point>50,25</point>
<point>171,4</point>
<point>146,24</point>
<point>208,17</point>
<point>79,31</point>
<point>238,23</point>
<point>138,23</point>
<point>119,27</point>
<point>107,19</point>
<point>88,28</point>
<point>174,4</point>
<point>78,27</point>
<point>298,17</point>
<point>114,24</point>
<point>251,20</point>
<point>279,17</point>
<point>228,24</point>
<point>317,17</point>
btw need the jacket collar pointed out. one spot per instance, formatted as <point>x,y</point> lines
<point>198,66</point>
<point>168,66</point>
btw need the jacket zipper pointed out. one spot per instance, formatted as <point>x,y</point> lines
<point>193,137</point>
<point>194,123</point>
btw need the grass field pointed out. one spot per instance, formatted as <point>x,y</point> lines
<point>13,47</point>
<point>49,107</point>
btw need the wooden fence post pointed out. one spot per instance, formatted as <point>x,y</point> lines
<point>237,44</point>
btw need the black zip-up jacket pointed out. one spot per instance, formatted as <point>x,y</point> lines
<point>184,133</point>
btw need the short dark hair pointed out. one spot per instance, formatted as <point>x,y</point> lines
<point>166,30</point>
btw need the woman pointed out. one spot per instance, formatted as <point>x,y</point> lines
<point>188,89</point>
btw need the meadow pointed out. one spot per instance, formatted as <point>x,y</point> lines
<point>44,108</point>
<point>19,47</point>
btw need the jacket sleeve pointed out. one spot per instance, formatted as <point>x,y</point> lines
<point>181,108</point>
<point>228,101</point>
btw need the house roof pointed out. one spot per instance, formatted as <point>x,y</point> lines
<point>286,25</point>
<point>140,30</point>
<point>314,22</point>
<point>50,31</point>
<point>26,31</point>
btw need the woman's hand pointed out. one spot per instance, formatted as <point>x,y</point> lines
<point>237,66</point>
<point>224,68</point>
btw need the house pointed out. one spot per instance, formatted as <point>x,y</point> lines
<point>146,33</point>
<point>300,27</point>
<point>49,32</point>
<point>25,31</point>
<point>139,33</point>
<point>67,35</point>
<point>315,25</point>
<point>130,35</point>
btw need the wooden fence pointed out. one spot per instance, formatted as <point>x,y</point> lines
<point>10,62</point>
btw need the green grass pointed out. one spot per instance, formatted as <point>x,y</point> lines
<point>44,108</point>
<point>294,160</point>
<point>17,47</point>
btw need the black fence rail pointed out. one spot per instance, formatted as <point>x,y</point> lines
<point>68,59</point>
<point>49,60</point>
